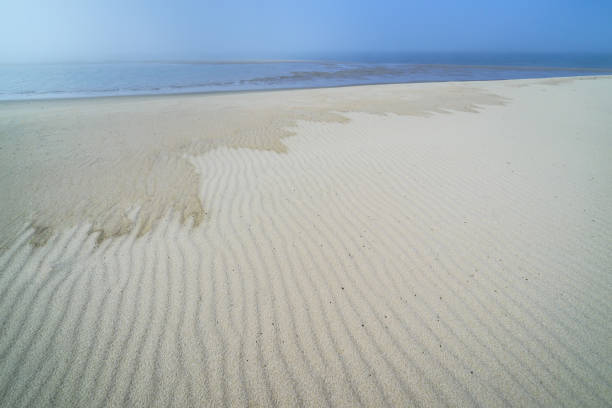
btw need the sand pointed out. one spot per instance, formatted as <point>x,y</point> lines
<point>444,244</point>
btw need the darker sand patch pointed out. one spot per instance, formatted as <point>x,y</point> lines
<point>67,162</point>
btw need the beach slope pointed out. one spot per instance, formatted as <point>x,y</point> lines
<point>442,244</point>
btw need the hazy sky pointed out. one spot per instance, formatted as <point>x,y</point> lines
<point>56,30</point>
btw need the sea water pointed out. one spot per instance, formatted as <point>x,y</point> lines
<point>70,80</point>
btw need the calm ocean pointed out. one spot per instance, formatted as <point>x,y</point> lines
<point>41,81</point>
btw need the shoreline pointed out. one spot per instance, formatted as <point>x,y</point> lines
<point>201,93</point>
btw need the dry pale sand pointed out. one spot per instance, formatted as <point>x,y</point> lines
<point>397,245</point>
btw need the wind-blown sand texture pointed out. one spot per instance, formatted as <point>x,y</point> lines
<point>393,245</point>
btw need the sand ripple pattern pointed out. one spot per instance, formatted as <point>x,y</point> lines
<point>392,261</point>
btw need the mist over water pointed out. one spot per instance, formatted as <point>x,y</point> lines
<point>41,81</point>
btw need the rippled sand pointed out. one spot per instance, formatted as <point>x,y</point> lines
<point>401,245</point>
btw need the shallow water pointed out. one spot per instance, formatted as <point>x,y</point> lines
<point>42,81</point>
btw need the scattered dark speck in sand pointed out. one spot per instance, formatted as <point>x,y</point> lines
<point>41,236</point>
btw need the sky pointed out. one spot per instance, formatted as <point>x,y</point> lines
<point>99,30</point>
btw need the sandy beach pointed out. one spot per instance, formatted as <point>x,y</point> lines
<point>437,244</point>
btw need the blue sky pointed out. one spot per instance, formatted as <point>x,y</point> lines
<point>59,30</point>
